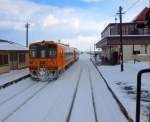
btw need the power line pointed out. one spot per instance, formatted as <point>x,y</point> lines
<point>132,5</point>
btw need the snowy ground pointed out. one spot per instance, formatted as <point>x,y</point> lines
<point>124,85</point>
<point>12,75</point>
<point>79,95</point>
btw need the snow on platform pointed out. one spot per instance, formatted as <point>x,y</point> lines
<point>13,75</point>
<point>53,103</point>
<point>124,85</point>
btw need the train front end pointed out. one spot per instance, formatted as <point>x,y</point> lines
<point>43,61</point>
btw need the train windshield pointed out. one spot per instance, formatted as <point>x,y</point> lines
<point>52,52</point>
<point>42,51</point>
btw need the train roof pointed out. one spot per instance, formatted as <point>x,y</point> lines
<point>39,42</point>
<point>53,42</point>
<point>50,42</point>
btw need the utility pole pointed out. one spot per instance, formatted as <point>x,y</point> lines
<point>121,41</point>
<point>94,47</point>
<point>27,35</point>
<point>90,51</point>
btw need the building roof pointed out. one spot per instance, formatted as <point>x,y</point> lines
<point>141,16</point>
<point>12,46</point>
<point>127,40</point>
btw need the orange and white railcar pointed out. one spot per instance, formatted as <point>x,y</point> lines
<point>48,59</point>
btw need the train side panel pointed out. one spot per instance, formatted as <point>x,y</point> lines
<point>68,56</point>
<point>60,58</point>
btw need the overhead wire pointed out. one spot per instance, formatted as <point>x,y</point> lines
<point>133,5</point>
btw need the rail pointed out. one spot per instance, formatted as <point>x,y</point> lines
<point>74,96</point>
<point>122,108</point>
<point>92,93</point>
<point>13,81</point>
<point>25,101</point>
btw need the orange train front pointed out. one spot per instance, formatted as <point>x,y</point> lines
<point>48,59</point>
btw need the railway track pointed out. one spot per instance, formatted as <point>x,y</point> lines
<point>2,86</point>
<point>16,94</point>
<point>122,108</point>
<point>92,93</point>
<point>74,96</point>
<point>27,94</point>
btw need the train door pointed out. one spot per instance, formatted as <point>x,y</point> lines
<point>62,57</point>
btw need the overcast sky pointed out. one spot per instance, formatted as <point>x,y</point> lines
<point>77,22</point>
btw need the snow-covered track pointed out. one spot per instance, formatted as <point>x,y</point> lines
<point>92,93</point>
<point>122,108</point>
<point>13,81</point>
<point>8,109</point>
<point>74,96</point>
<point>15,95</point>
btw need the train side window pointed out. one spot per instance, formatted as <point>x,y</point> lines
<point>52,52</point>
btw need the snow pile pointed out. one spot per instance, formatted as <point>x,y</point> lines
<point>124,85</point>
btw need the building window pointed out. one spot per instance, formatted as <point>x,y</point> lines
<point>21,58</point>
<point>3,59</point>
<point>13,56</point>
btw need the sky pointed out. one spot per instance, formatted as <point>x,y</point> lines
<point>78,23</point>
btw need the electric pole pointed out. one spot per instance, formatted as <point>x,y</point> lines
<point>121,41</point>
<point>27,35</point>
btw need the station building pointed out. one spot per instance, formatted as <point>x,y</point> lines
<point>13,56</point>
<point>136,41</point>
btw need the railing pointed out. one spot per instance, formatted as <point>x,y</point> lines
<point>138,97</point>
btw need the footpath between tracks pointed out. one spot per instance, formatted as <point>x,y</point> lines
<point>122,108</point>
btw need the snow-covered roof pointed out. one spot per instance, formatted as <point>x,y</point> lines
<point>9,45</point>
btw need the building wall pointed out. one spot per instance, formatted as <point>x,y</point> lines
<point>127,51</point>
<point>4,69</point>
<point>4,62</point>
<point>107,51</point>
<point>24,64</point>
<point>14,61</point>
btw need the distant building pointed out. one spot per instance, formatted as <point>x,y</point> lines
<point>12,56</point>
<point>135,40</point>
